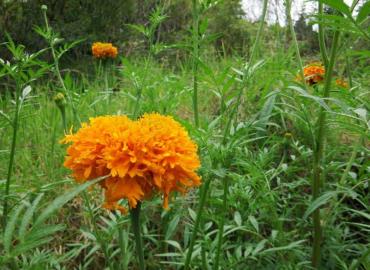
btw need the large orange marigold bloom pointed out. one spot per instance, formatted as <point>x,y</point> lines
<point>151,155</point>
<point>104,50</point>
<point>313,73</point>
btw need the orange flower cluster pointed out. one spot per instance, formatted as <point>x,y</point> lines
<point>341,83</point>
<point>151,155</point>
<point>104,50</point>
<point>313,73</point>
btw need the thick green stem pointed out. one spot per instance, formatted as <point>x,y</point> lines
<point>135,219</point>
<point>318,156</point>
<point>221,225</point>
<point>195,61</point>
<point>202,201</point>
<point>12,154</point>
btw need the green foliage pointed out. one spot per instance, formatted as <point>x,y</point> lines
<point>264,164</point>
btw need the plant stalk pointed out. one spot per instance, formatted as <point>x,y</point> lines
<point>294,37</point>
<point>323,51</point>
<point>318,156</point>
<point>12,154</point>
<point>202,201</point>
<point>195,61</point>
<point>57,70</point>
<point>135,219</point>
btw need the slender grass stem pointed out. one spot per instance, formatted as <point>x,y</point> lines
<point>349,73</point>
<point>195,37</point>
<point>57,69</point>
<point>12,154</point>
<point>294,36</point>
<point>351,160</point>
<point>139,89</point>
<point>246,73</point>
<point>135,219</point>
<point>96,231</point>
<point>323,51</point>
<point>202,202</point>
<point>319,154</point>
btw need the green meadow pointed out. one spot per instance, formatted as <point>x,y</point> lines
<point>283,147</point>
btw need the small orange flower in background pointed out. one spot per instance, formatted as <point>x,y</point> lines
<point>313,73</point>
<point>151,155</point>
<point>341,83</point>
<point>104,50</point>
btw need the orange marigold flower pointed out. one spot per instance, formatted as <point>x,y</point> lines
<point>151,155</point>
<point>313,73</point>
<point>104,50</point>
<point>341,83</point>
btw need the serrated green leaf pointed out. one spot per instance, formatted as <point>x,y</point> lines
<point>287,247</point>
<point>27,246</point>
<point>323,199</point>
<point>254,223</point>
<point>192,214</point>
<point>259,247</point>
<point>44,231</point>
<point>28,216</point>
<point>174,244</point>
<point>237,218</point>
<point>172,227</point>
<point>10,227</point>
<point>63,199</point>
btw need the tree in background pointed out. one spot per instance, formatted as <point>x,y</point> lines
<point>306,36</point>
<point>227,21</point>
<point>94,20</point>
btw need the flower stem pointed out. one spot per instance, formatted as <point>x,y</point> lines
<point>318,155</point>
<point>294,36</point>
<point>57,69</point>
<point>135,219</point>
<point>12,154</point>
<point>202,201</point>
<point>324,54</point>
<point>195,60</point>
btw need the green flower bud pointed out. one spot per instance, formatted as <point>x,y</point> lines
<point>60,100</point>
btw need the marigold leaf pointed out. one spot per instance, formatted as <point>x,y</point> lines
<point>10,227</point>
<point>318,202</point>
<point>63,199</point>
